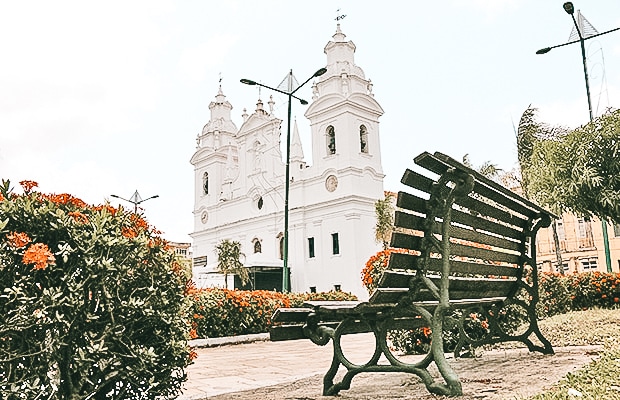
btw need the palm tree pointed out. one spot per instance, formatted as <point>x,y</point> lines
<point>487,169</point>
<point>528,133</point>
<point>384,212</point>
<point>229,261</point>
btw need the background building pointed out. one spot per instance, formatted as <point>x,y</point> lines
<point>239,185</point>
<point>581,245</point>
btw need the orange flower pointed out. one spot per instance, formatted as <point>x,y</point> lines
<point>28,185</point>
<point>65,198</point>
<point>616,300</point>
<point>1,197</point>
<point>39,255</point>
<point>79,217</point>
<point>18,239</point>
<point>193,334</point>
<point>129,233</point>
<point>106,207</point>
<point>193,355</point>
<point>139,222</point>
<point>426,331</point>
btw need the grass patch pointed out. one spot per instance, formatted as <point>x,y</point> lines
<point>601,378</point>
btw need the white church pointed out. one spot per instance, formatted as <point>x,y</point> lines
<point>240,184</point>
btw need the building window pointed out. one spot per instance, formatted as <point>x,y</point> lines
<point>205,183</point>
<point>559,224</point>
<point>363,139</point>
<point>335,244</point>
<point>257,246</point>
<point>331,140</point>
<point>581,227</point>
<point>589,263</point>
<point>260,203</point>
<point>311,247</point>
<point>617,230</point>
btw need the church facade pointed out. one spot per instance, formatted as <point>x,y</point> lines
<point>240,176</point>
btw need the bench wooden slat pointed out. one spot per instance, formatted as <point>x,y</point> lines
<point>497,211</point>
<point>284,315</point>
<point>410,242</point>
<point>394,295</point>
<point>440,163</point>
<point>514,201</point>
<point>416,223</point>
<point>462,250</point>
<point>401,279</point>
<point>417,181</point>
<point>483,224</point>
<point>417,204</point>
<point>409,262</point>
<point>460,287</point>
<point>488,210</point>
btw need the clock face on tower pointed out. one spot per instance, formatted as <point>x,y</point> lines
<point>204,217</point>
<point>331,183</point>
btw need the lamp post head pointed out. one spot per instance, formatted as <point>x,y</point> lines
<point>544,51</point>
<point>319,72</point>
<point>568,7</point>
<point>248,82</point>
<point>303,102</point>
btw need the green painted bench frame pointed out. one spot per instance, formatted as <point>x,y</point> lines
<point>466,243</point>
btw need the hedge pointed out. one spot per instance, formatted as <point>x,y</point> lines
<point>221,312</point>
<point>92,302</point>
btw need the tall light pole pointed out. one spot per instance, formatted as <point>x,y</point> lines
<point>135,199</point>
<point>291,94</point>
<point>570,9</point>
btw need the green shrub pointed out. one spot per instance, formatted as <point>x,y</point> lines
<point>92,302</point>
<point>221,312</point>
<point>553,295</point>
<point>594,289</point>
<point>297,299</point>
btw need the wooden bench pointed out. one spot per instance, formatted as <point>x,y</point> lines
<point>464,243</point>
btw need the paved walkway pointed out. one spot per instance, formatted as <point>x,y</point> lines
<point>251,363</point>
<point>245,366</point>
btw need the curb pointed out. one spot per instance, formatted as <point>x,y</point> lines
<point>229,340</point>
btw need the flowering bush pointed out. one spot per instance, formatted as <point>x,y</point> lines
<point>297,299</point>
<point>584,290</point>
<point>221,312</point>
<point>553,294</point>
<point>92,302</point>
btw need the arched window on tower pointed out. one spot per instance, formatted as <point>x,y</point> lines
<point>257,246</point>
<point>331,140</point>
<point>363,139</point>
<point>205,183</point>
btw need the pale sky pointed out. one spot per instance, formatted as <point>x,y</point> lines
<point>101,98</point>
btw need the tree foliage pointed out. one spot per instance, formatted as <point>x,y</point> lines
<point>384,211</point>
<point>92,303</point>
<point>229,261</point>
<point>487,169</point>
<point>580,171</point>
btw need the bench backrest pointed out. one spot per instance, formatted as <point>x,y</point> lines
<point>486,231</point>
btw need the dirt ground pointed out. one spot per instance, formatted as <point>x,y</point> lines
<point>495,374</point>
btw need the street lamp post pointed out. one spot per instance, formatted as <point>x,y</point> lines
<point>291,94</point>
<point>135,199</point>
<point>570,9</point>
